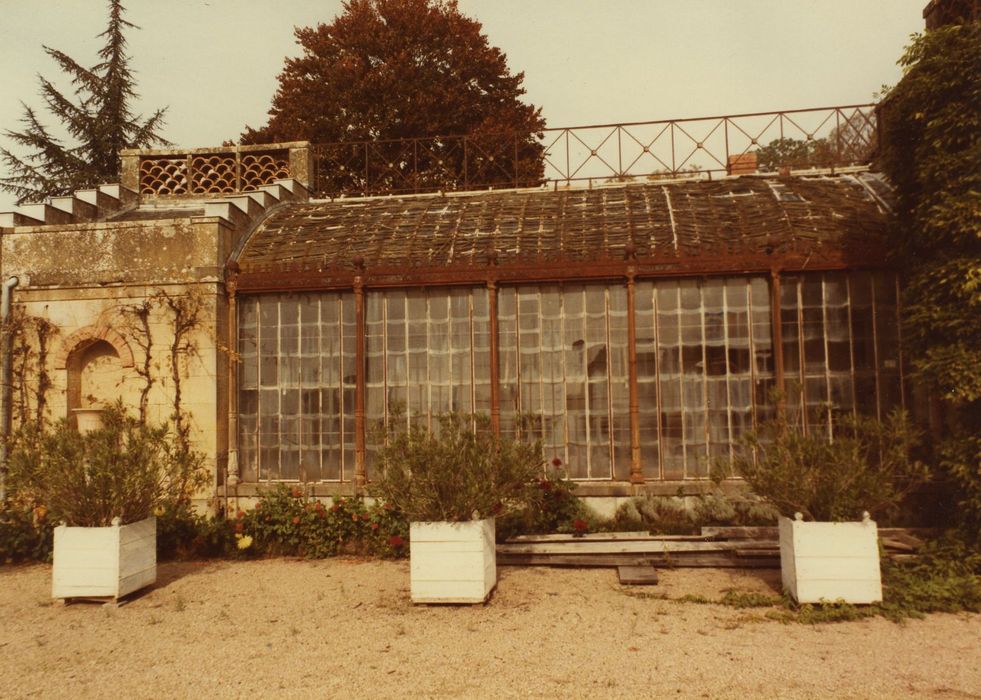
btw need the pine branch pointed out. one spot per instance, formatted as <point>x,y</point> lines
<point>98,118</point>
<point>75,118</point>
<point>82,77</point>
<point>145,134</point>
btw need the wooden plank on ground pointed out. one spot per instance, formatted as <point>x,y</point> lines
<point>577,546</point>
<point>589,560</point>
<point>897,544</point>
<point>590,537</point>
<point>899,536</point>
<point>682,561</point>
<point>757,552</point>
<point>741,532</point>
<point>637,575</point>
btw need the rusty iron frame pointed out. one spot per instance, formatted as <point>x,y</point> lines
<point>668,148</point>
<point>495,353</point>
<point>232,474</point>
<point>293,278</point>
<point>360,473</point>
<point>624,271</point>
<point>636,467</point>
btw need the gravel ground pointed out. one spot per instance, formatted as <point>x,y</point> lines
<point>340,627</point>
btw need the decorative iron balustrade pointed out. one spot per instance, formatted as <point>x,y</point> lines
<point>826,137</point>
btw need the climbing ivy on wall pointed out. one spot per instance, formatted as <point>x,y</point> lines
<point>135,326</point>
<point>31,338</point>
<point>931,151</point>
<point>184,316</point>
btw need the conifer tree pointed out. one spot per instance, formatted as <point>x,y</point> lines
<point>98,122</point>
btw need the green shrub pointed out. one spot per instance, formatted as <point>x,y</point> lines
<point>286,522</point>
<point>456,473</point>
<point>25,534</point>
<point>552,507</point>
<point>185,534</point>
<point>944,577</point>
<point>866,467</point>
<point>125,469</point>
<point>678,515</point>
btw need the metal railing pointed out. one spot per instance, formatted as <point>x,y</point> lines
<point>825,137</point>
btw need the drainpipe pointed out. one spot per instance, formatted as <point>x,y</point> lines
<point>6,379</point>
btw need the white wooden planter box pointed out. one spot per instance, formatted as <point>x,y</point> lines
<point>104,562</point>
<point>452,562</point>
<point>827,562</point>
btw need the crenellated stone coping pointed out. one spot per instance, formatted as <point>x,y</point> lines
<point>90,205</point>
<point>81,207</point>
<point>238,209</point>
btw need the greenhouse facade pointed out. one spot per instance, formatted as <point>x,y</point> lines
<point>637,328</point>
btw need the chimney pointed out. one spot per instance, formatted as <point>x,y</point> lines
<point>742,164</point>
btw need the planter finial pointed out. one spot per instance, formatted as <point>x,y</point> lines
<point>866,516</point>
<point>799,516</point>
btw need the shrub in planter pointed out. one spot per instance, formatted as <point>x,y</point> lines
<point>865,470</point>
<point>450,484</point>
<point>103,487</point>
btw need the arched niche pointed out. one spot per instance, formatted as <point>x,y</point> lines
<point>96,360</point>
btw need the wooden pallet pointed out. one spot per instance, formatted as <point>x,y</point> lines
<point>722,547</point>
<point>104,601</point>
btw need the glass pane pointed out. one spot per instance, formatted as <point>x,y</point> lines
<point>293,348</point>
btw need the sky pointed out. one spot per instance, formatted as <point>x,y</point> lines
<point>214,63</point>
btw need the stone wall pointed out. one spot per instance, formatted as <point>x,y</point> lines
<point>107,293</point>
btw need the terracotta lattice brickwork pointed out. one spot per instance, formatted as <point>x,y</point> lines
<point>214,173</point>
<point>163,176</point>
<point>263,168</point>
<point>211,173</point>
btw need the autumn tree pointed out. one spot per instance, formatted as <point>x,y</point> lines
<point>389,70</point>
<point>98,120</point>
<point>931,151</point>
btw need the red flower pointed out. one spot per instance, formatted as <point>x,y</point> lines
<point>319,506</point>
<point>241,515</point>
<point>297,492</point>
<point>545,484</point>
<point>395,541</point>
<point>366,517</point>
<point>296,519</point>
<point>354,517</point>
<point>387,506</point>
<point>556,462</point>
<point>239,527</point>
<point>580,525</point>
<point>335,507</point>
<point>374,526</point>
<point>258,505</point>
